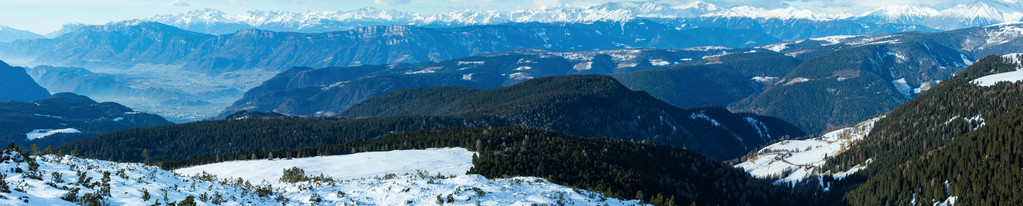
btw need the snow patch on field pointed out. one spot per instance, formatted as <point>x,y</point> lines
<point>659,62</point>
<point>449,161</point>
<point>471,62</point>
<point>425,71</point>
<point>627,65</point>
<point>832,40</point>
<point>43,133</point>
<point>520,76</point>
<point>584,66</point>
<point>775,47</point>
<point>765,80</point>
<point>797,160</point>
<point>797,80</point>
<point>467,77</point>
<point>903,88</point>
<point>523,68</point>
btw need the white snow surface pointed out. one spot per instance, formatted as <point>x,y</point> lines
<point>903,88</point>
<point>128,180</point>
<point>805,158</point>
<point>448,161</point>
<point>43,133</point>
<point>1013,76</point>
<point>991,80</point>
<point>126,189</point>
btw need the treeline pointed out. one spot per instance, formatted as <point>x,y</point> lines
<point>922,127</point>
<point>933,119</point>
<point>590,105</point>
<point>655,173</point>
<point>984,167</point>
<point>156,144</point>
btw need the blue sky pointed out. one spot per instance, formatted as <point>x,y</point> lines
<point>44,16</point>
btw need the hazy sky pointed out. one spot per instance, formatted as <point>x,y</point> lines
<point>44,16</point>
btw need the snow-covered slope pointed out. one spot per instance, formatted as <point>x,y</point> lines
<point>796,160</point>
<point>59,179</point>
<point>54,180</point>
<point>1013,76</point>
<point>447,162</point>
<point>400,177</point>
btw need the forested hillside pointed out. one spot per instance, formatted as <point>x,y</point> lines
<point>66,117</point>
<point>981,167</point>
<point>928,125</point>
<point>847,85</point>
<point>590,105</point>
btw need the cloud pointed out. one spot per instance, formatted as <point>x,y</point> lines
<point>390,2</point>
<point>179,3</point>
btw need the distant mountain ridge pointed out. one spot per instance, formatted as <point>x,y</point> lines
<point>118,45</point>
<point>8,34</point>
<point>962,15</point>
<point>688,77</point>
<point>65,117</point>
<point>18,85</point>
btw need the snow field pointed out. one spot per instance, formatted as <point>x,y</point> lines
<point>796,160</point>
<point>447,162</point>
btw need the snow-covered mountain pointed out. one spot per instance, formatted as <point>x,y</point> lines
<point>68,180</point>
<point>8,34</point>
<point>967,14</point>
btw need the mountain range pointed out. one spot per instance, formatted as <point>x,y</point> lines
<point>580,105</point>
<point>331,90</point>
<point>806,82</point>
<point>692,14</point>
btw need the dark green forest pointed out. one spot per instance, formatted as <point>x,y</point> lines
<point>590,105</point>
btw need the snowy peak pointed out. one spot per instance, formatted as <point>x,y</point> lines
<point>662,10</point>
<point>761,13</point>
<point>901,13</point>
<point>978,13</point>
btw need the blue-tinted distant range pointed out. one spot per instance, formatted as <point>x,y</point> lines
<point>190,60</point>
<point>46,16</point>
<point>511,102</point>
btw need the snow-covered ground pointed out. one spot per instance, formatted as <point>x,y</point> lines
<point>42,133</point>
<point>60,175</point>
<point>1013,76</point>
<point>796,160</point>
<point>128,183</point>
<point>447,162</point>
<point>991,80</point>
